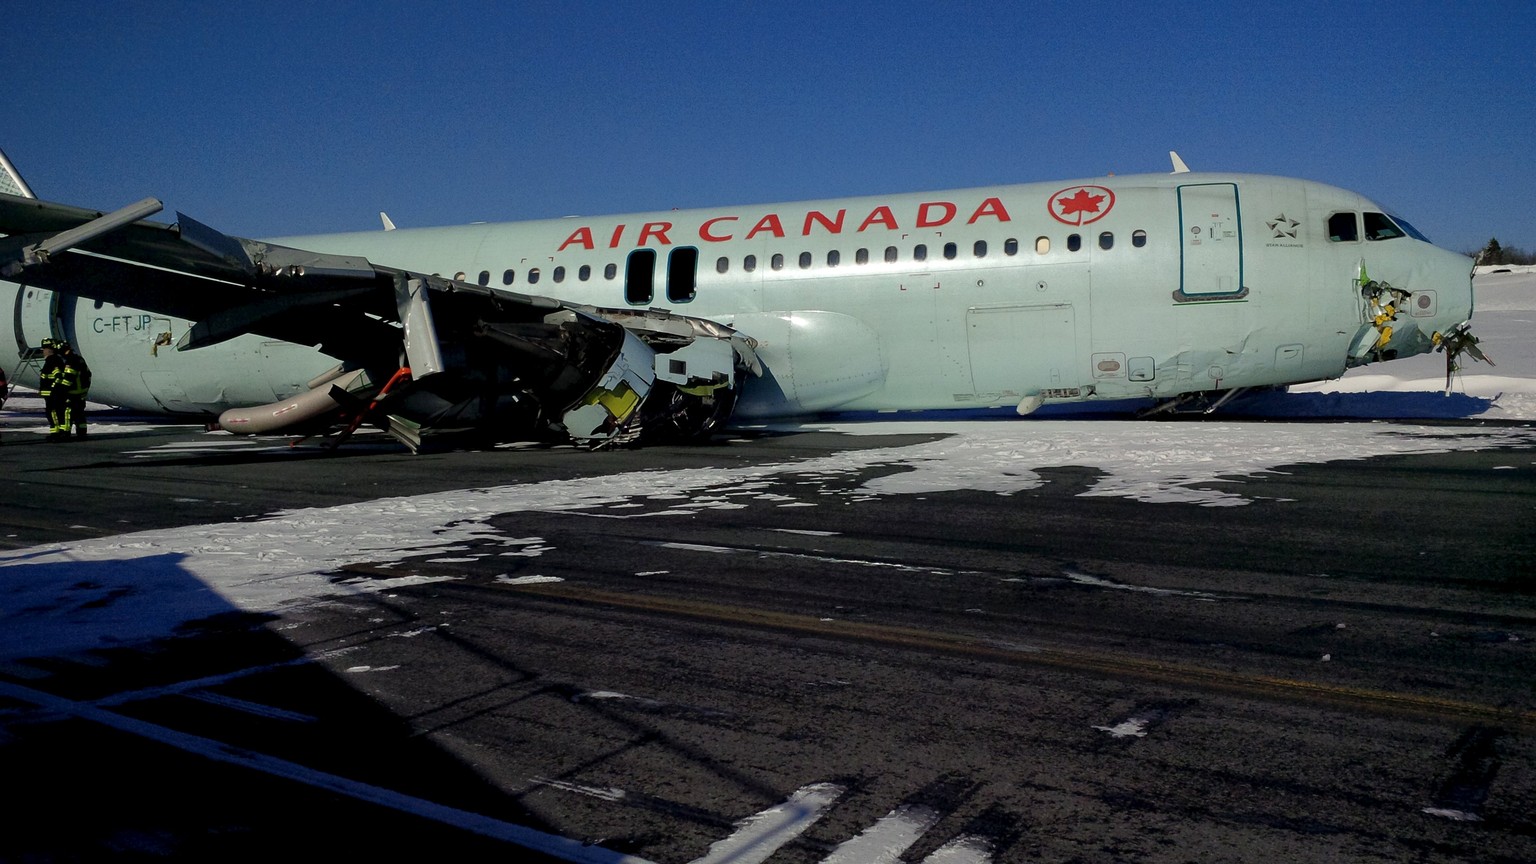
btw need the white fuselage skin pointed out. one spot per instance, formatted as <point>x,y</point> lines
<point>1173,284</point>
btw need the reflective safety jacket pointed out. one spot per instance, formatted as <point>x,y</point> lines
<point>74,377</point>
<point>48,376</point>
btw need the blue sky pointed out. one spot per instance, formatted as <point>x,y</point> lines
<point>263,119</point>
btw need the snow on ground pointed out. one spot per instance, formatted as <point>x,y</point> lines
<point>53,598</point>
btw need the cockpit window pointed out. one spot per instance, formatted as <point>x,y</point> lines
<point>1342,228</point>
<point>1412,231</point>
<point>1379,227</point>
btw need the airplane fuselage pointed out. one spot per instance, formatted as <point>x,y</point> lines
<point>1146,286</point>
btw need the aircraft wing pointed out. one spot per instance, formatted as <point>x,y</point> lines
<point>456,355</point>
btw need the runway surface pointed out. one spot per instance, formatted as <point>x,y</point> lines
<point>767,649</point>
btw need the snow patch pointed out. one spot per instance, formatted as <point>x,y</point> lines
<point>527,580</point>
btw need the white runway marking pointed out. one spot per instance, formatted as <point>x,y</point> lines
<point>884,841</point>
<point>760,835</point>
<point>962,850</point>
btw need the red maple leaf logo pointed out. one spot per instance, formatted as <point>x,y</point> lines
<point>1085,204</point>
<point>1082,202</point>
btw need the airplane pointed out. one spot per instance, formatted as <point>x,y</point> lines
<point>1181,289</point>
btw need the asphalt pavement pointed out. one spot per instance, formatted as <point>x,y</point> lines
<point>1339,671</point>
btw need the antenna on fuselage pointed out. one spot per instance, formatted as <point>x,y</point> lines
<point>1178,164</point>
<point>384,217</point>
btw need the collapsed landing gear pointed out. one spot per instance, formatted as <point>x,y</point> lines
<point>1203,402</point>
<point>673,415</point>
<point>678,416</point>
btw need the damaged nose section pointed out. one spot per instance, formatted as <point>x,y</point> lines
<point>1397,322</point>
<point>1383,333</point>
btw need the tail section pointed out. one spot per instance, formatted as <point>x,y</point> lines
<point>10,179</point>
<point>10,326</point>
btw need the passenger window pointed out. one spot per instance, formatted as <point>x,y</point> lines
<point>890,254</point>
<point>1138,239</point>
<point>950,251</point>
<point>1379,227</point>
<point>749,263</point>
<point>861,256</point>
<point>1074,242</point>
<point>559,274</point>
<point>459,276</point>
<point>682,274</point>
<point>610,271</point>
<point>920,253</point>
<point>584,273</point>
<point>722,264</point>
<point>533,276</point>
<point>485,277</point>
<point>805,260</point>
<point>1107,240</point>
<point>640,276</point>
<point>1342,228</point>
<point>1011,246</point>
<point>777,261</point>
<point>1042,245</point>
<point>979,249</point>
<point>834,258</point>
<point>506,277</point>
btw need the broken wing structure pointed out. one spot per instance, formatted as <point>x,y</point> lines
<point>420,355</point>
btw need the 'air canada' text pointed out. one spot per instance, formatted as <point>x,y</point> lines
<point>929,214</point>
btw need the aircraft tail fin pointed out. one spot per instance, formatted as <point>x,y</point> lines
<point>10,179</point>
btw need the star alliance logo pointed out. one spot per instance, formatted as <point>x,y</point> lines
<point>1283,227</point>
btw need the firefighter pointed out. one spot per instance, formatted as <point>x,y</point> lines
<point>55,400</point>
<point>76,380</point>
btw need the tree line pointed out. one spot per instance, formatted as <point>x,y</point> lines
<point>1493,253</point>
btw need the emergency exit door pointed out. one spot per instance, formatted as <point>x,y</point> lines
<point>1211,251</point>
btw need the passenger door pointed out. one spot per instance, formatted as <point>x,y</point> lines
<point>1211,249</point>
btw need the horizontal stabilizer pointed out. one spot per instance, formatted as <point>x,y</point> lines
<point>39,253</point>
<point>10,179</point>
